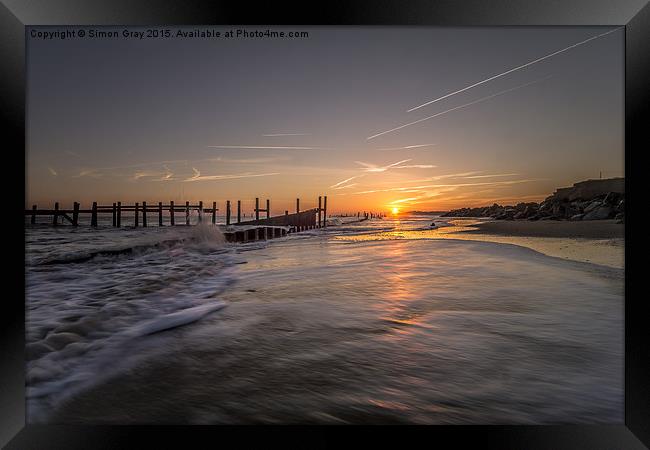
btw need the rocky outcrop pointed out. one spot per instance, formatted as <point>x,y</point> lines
<point>587,200</point>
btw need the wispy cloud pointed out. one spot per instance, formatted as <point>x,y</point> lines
<point>493,175</point>
<point>457,108</point>
<point>416,166</point>
<point>93,173</point>
<point>453,186</point>
<point>250,160</point>
<point>167,175</point>
<point>52,171</point>
<point>198,177</point>
<point>514,69</point>
<point>407,147</point>
<point>346,186</point>
<point>367,167</point>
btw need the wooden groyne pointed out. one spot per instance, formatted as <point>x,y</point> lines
<point>166,214</point>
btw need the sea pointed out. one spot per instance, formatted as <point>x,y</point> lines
<point>389,320</point>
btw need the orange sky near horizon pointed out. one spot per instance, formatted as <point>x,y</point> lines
<point>422,118</point>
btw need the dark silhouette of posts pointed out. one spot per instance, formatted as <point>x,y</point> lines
<point>200,210</point>
<point>297,205</point>
<point>144,214</point>
<point>33,221</point>
<point>227,212</point>
<point>119,214</point>
<point>214,213</point>
<point>320,209</point>
<point>160,220</point>
<point>114,214</point>
<point>257,208</point>
<point>325,211</point>
<point>56,214</point>
<point>93,215</point>
<point>268,208</point>
<point>75,214</point>
<point>171,212</point>
<point>187,213</point>
<point>238,211</point>
<point>137,213</point>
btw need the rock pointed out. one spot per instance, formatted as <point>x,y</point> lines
<point>603,212</point>
<point>621,206</point>
<point>593,205</point>
<point>577,217</point>
<point>612,198</point>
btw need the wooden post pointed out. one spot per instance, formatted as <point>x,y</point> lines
<point>171,212</point>
<point>268,208</point>
<point>238,211</point>
<point>93,216</point>
<point>297,205</point>
<point>144,214</point>
<point>56,214</point>
<point>114,214</point>
<point>137,213</point>
<point>200,210</point>
<point>214,212</point>
<point>257,208</point>
<point>33,221</point>
<point>187,213</point>
<point>119,214</point>
<point>320,208</point>
<point>227,212</point>
<point>160,220</point>
<point>75,214</point>
<point>325,211</point>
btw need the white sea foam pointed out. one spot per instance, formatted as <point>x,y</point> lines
<point>83,317</point>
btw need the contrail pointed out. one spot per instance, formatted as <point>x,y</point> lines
<point>457,107</point>
<point>345,181</point>
<point>514,69</point>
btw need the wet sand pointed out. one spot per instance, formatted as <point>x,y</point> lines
<point>591,229</point>
<point>598,242</point>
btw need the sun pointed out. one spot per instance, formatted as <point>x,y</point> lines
<point>395,211</point>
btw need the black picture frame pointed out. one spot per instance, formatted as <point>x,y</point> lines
<point>15,15</point>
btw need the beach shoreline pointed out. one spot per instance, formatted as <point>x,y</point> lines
<point>590,229</point>
<point>598,242</point>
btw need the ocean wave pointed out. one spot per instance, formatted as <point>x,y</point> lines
<point>88,321</point>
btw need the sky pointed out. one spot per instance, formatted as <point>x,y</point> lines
<point>221,119</point>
